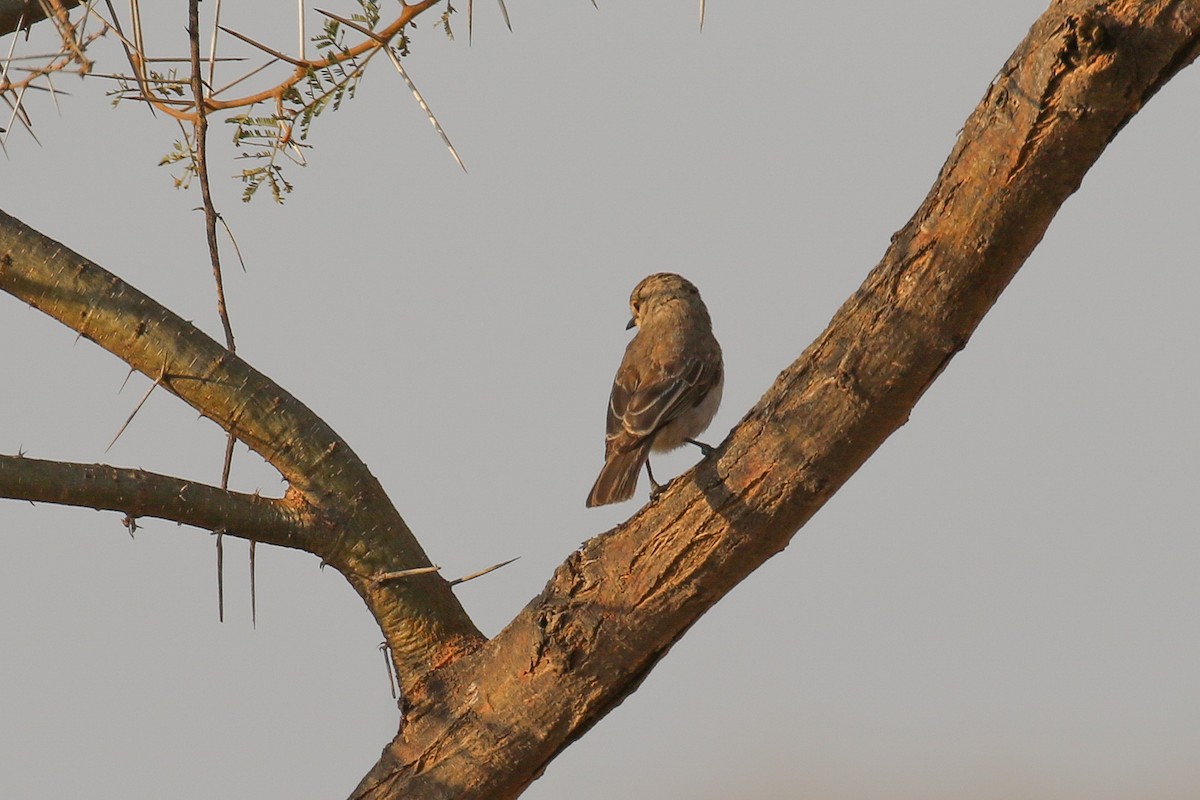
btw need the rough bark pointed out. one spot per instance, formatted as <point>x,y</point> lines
<point>484,718</point>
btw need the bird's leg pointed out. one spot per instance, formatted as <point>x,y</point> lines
<point>655,487</point>
<point>705,450</point>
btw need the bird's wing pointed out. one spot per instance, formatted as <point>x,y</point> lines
<point>636,410</point>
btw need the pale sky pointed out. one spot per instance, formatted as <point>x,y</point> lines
<point>1000,603</point>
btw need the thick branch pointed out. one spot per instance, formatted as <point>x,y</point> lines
<point>27,12</point>
<point>138,493</point>
<point>365,535</point>
<point>487,725</point>
<point>157,342</point>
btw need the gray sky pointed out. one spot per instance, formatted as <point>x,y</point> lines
<point>1000,603</point>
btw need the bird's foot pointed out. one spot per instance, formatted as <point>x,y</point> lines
<point>705,450</point>
<point>656,488</point>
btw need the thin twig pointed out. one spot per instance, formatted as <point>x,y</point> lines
<point>227,464</point>
<point>200,127</point>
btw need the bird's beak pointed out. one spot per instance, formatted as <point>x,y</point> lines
<point>632,322</point>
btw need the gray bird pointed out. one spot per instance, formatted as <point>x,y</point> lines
<point>667,388</point>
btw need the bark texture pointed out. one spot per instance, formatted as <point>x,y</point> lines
<point>484,718</point>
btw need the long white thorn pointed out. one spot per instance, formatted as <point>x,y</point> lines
<point>424,106</point>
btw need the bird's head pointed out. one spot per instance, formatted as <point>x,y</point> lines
<point>658,291</point>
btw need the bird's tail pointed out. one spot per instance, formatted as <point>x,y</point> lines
<point>618,480</point>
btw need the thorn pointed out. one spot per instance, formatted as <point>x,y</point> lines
<point>295,62</point>
<point>387,660</point>
<point>384,577</point>
<point>253,593</point>
<point>412,87</point>
<point>128,375</point>
<point>482,572</point>
<point>220,576</point>
<point>237,250</point>
<point>161,374</point>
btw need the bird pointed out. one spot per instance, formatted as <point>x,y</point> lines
<point>667,389</point>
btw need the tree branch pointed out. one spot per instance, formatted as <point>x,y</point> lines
<point>138,493</point>
<point>487,725</point>
<point>155,341</point>
<point>364,535</point>
<point>485,719</point>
